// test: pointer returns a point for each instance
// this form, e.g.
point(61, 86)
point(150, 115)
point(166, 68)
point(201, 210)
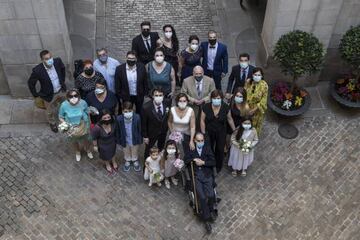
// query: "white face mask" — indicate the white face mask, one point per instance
point(257, 78)
point(194, 46)
point(244, 65)
point(182, 105)
point(171, 151)
point(73, 100)
point(238, 99)
point(168, 34)
point(158, 100)
point(246, 126)
point(128, 115)
point(159, 59)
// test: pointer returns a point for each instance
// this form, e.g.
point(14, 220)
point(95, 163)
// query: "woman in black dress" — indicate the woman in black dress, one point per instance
point(170, 45)
point(104, 136)
point(190, 57)
point(85, 82)
point(101, 99)
point(238, 106)
point(213, 123)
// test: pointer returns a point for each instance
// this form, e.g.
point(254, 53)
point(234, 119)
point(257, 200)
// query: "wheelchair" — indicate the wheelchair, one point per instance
point(188, 183)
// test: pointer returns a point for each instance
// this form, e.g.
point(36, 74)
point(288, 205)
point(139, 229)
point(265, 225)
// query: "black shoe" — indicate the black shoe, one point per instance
point(208, 227)
point(218, 200)
point(213, 216)
point(54, 128)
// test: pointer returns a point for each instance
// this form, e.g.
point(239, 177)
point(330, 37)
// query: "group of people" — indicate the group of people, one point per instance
point(136, 102)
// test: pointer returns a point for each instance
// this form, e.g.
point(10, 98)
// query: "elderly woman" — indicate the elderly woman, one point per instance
point(257, 93)
point(85, 82)
point(74, 111)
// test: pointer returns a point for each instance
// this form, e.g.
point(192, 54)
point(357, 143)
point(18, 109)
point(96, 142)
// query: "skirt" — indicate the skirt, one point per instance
point(239, 160)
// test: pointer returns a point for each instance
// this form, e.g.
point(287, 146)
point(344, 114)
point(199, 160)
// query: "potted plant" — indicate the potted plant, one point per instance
point(298, 53)
point(346, 90)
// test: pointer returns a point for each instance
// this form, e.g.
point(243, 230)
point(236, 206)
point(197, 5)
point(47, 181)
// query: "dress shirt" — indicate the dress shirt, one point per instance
point(132, 79)
point(211, 56)
point(108, 71)
point(53, 77)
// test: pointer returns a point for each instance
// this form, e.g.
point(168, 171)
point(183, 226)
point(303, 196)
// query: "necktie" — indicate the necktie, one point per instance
point(243, 75)
point(148, 45)
point(159, 112)
point(198, 90)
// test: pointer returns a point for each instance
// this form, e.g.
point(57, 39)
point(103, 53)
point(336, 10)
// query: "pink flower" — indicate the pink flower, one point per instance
point(176, 136)
point(179, 164)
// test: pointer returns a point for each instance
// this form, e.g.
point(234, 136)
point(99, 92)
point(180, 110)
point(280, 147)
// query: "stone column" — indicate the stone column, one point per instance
point(27, 27)
point(316, 16)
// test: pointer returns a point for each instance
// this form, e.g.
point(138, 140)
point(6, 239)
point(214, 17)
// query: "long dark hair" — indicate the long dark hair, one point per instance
point(241, 129)
point(238, 90)
point(171, 142)
point(257, 69)
point(174, 39)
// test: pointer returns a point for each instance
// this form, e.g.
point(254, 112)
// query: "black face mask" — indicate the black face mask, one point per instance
point(130, 62)
point(106, 122)
point(212, 41)
point(89, 71)
point(198, 78)
point(145, 33)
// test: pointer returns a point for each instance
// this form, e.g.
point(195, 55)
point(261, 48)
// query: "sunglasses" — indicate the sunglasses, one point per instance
point(74, 96)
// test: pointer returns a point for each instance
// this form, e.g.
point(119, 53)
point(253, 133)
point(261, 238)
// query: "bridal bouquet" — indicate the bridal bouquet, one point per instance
point(176, 136)
point(64, 126)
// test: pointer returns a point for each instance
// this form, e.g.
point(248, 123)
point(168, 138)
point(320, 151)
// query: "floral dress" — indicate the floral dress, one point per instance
point(257, 94)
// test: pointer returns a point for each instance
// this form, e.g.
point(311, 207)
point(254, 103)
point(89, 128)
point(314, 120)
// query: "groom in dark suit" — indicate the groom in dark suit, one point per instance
point(144, 44)
point(215, 59)
point(154, 118)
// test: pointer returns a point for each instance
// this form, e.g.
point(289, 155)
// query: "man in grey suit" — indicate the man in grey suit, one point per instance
point(198, 89)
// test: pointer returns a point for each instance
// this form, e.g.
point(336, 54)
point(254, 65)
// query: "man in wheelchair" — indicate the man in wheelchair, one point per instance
point(200, 162)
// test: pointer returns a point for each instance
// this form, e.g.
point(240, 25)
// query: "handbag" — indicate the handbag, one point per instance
point(78, 130)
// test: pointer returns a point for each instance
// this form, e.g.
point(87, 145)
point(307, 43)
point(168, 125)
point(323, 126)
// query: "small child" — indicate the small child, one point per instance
point(130, 136)
point(152, 168)
point(243, 141)
point(171, 153)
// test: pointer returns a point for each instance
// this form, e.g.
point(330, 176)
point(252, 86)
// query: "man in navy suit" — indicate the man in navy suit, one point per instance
point(204, 161)
point(50, 73)
point(239, 74)
point(215, 59)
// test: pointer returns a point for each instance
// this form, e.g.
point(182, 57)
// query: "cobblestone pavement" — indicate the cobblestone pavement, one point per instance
point(123, 20)
point(306, 188)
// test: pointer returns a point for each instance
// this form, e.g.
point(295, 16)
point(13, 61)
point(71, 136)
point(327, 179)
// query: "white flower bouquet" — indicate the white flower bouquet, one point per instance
point(64, 127)
point(158, 177)
point(245, 145)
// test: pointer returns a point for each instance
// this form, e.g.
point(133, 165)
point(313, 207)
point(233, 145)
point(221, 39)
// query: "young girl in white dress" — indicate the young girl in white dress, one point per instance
point(152, 167)
point(238, 158)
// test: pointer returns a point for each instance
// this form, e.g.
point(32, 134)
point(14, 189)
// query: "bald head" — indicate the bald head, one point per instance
point(198, 71)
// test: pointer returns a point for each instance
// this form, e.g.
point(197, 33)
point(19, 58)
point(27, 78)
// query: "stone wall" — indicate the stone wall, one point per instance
point(27, 27)
point(326, 19)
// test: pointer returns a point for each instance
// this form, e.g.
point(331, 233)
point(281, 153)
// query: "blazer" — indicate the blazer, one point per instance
point(206, 155)
point(189, 88)
point(221, 58)
point(235, 76)
point(139, 47)
point(152, 124)
point(40, 74)
point(136, 130)
point(122, 84)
